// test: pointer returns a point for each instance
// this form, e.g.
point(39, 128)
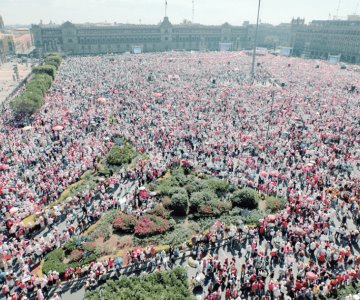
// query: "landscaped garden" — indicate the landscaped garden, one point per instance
point(187, 203)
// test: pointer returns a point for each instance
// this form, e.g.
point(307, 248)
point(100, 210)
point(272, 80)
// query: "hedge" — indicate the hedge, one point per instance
point(31, 99)
point(45, 69)
point(161, 285)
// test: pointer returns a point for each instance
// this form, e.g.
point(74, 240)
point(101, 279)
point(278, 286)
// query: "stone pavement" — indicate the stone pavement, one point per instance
point(7, 83)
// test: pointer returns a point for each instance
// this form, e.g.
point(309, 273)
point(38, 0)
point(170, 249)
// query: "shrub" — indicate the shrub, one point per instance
point(218, 186)
point(164, 188)
point(179, 203)
point(120, 155)
point(254, 217)
point(76, 255)
point(194, 185)
point(160, 211)
point(166, 201)
point(236, 211)
point(275, 204)
point(245, 198)
point(223, 206)
point(54, 261)
point(71, 245)
point(177, 190)
point(149, 225)
point(181, 179)
point(208, 210)
point(229, 220)
point(177, 236)
point(104, 228)
point(201, 198)
point(124, 223)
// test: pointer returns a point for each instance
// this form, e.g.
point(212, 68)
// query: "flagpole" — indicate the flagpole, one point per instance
point(165, 8)
point(255, 42)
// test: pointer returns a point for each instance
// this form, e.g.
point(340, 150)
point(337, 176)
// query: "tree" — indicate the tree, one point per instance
point(45, 69)
point(22, 105)
point(179, 203)
point(245, 198)
point(160, 285)
point(120, 155)
point(198, 199)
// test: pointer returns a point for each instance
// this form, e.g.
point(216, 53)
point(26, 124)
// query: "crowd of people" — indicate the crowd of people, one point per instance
point(293, 132)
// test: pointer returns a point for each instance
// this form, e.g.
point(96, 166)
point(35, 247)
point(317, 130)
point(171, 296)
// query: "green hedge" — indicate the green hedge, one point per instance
point(45, 69)
point(31, 99)
point(172, 285)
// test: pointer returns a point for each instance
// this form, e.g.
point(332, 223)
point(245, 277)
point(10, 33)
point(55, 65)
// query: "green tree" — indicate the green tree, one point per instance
point(179, 203)
point(245, 198)
point(45, 69)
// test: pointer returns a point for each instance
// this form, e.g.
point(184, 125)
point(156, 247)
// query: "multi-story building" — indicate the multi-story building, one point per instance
point(319, 39)
point(76, 39)
point(16, 41)
point(271, 36)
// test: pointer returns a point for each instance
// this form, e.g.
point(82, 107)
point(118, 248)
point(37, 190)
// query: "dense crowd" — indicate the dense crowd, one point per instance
point(294, 132)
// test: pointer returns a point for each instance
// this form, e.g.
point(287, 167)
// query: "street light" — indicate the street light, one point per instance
point(255, 42)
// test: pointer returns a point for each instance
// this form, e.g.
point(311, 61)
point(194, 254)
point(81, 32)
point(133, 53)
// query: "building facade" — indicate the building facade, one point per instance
point(86, 39)
point(271, 36)
point(319, 39)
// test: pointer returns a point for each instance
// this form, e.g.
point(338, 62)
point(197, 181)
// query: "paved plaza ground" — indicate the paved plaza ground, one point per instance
point(7, 83)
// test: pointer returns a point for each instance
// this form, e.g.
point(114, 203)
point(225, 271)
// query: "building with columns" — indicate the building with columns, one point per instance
point(319, 39)
point(86, 39)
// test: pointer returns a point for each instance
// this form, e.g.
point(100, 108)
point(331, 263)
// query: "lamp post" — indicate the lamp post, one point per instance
point(255, 42)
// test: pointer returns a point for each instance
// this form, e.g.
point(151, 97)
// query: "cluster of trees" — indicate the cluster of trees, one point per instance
point(162, 285)
point(32, 97)
point(202, 197)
